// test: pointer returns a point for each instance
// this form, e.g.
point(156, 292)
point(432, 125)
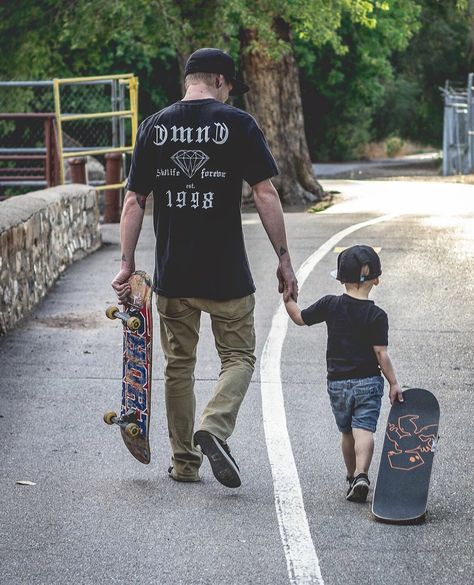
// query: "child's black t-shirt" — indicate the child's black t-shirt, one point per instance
point(194, 155)
point(354, 327)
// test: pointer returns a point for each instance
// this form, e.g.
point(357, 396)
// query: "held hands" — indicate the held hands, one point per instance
point(395, 393)
point(287, 283)
point(121, 286)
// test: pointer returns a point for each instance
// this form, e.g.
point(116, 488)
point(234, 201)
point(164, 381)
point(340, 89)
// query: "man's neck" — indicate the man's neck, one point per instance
point(198, 92)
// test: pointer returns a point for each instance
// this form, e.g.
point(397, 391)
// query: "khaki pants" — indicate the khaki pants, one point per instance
point(234, 335)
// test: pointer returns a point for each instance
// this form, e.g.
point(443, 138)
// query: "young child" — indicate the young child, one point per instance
point(356, 352)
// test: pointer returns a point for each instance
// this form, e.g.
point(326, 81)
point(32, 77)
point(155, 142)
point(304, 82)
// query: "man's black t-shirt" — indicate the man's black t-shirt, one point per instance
point(354, 327)
point(194, 155)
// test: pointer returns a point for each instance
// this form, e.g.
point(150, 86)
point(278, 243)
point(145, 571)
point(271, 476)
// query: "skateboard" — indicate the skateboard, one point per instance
point(134, 419)
point(411, 436)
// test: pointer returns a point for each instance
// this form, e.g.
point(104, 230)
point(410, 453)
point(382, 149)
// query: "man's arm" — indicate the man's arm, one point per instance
point(269, 209)
point(130, 227)
point(388, 370)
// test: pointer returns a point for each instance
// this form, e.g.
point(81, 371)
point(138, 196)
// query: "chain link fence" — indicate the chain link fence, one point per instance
point(91, 98)
point(458, 131)
point(88, 114)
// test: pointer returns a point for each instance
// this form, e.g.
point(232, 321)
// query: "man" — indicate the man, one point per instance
point(194, 155)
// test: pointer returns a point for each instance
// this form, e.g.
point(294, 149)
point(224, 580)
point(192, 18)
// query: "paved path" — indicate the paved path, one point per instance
point(95, 515)
point(359, 167)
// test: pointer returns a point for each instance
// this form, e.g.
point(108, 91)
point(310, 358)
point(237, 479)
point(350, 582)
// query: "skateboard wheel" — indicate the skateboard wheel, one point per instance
point(132, 430)
point(133, 323)
point(109, 416)
point(111, 312)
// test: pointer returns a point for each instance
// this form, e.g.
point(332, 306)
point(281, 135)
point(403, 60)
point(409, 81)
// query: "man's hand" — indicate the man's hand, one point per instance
point(130, 226)
point(287, 283)
point(395, 393)
point(121, 286)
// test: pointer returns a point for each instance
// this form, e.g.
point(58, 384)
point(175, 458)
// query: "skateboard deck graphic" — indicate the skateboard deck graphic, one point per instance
point(401, 491)
point(134, 419)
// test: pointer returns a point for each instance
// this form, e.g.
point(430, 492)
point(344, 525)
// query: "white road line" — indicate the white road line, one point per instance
point(301, 558)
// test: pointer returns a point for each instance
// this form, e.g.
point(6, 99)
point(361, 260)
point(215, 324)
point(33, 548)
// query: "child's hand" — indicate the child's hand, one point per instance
point(293, 310)
point(289, 300)
point(287, 296)
point(395, 393)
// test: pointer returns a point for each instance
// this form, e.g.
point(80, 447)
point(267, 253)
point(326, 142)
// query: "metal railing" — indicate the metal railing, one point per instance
point(86, 117)
point(458, 129)
point(117, 115)
point(45, 161)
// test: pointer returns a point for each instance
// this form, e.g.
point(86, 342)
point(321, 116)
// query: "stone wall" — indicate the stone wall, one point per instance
point(42, 233)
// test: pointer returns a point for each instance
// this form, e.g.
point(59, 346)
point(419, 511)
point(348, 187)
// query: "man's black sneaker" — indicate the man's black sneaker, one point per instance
point(359, 488)
point(223, 465)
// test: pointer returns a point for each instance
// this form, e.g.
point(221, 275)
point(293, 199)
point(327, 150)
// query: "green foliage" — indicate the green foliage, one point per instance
point(343, 91)
point(369, 68)
point(316, 22)
point(413, 105)
point(388, 82)
point(57, 38)
point(393, 145)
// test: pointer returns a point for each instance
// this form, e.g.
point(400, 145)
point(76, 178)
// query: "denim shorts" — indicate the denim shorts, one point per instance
point(356, 403)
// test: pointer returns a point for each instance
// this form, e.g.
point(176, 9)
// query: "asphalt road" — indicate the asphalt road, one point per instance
point(358, 167)
point(97, 516)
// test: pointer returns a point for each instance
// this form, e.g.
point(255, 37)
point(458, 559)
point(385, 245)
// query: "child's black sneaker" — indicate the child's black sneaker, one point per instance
point(359, 488)
point(349, 479)
point(223, 465)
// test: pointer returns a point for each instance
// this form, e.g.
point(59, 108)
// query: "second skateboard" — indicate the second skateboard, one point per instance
point(401, 491)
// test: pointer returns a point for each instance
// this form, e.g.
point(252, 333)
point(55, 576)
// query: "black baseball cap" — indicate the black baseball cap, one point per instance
point(209, 60)
point(351, 260)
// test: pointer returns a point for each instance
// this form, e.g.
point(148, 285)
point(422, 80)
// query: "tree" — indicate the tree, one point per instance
point(441, 50)
point(268, 66)
point(343, 47)
point(267, 29)
point(343, 91)
point(275, 100)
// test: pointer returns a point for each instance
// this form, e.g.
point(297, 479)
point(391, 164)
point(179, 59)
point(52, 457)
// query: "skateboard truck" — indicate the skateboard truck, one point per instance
point(126, 422)
point(128, 319)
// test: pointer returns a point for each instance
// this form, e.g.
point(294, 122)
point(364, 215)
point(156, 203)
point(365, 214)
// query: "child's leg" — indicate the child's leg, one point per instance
point(364, 449)
point(348, 452)
point(341, 407)
point(368, 394)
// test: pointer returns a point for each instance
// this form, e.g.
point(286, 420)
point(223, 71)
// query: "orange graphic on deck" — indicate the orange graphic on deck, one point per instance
point(410, 442)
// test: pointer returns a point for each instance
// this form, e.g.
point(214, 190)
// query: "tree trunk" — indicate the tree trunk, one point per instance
point(275, 101)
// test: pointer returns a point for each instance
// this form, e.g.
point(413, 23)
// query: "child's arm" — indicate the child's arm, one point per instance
point(294, 312)
point(388, 370)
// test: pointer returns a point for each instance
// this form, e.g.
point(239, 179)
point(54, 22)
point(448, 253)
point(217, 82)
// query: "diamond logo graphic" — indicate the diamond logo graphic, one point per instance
point(190, 161)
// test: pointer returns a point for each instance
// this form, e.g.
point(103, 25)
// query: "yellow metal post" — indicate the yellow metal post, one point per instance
point(72, 80)
point(115, 186)
point(97, 152)
point(128, 79)
point(133, 87)
point(72, 117)
point(57, 109)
